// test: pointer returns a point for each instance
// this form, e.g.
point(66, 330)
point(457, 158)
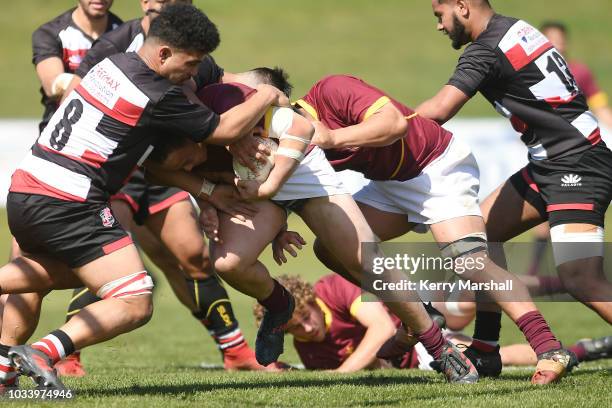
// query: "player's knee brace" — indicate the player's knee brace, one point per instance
point(469, 244)
point(136, 284)
point(572, 246)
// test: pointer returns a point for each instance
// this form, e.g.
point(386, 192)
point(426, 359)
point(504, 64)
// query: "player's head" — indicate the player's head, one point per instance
point(308, 320)
point(179, 38)
point(175, 153)
point(455, 18)
point(556, 32)
point(95, 9)
point(277, 77)
point(152, 8)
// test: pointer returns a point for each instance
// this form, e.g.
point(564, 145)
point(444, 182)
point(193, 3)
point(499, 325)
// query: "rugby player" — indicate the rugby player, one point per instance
point(58, 206)
point(333, 329)
point(163, 219)
point(420, 175)
point(315, 193)
point(58, 47)
point(567, 181)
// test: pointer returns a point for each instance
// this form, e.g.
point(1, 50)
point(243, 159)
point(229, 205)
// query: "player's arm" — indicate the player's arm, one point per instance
point(444, 106)
point(382, 128)
point(241, 119)
point(379, 327)
point(478, 65)
point(294, 133)
point(47, 58)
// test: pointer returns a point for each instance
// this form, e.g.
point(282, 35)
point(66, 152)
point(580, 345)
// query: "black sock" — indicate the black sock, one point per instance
point(215, 311)
point(4, 350)
point(487, 326)
point(81, 297)
point(278, 301)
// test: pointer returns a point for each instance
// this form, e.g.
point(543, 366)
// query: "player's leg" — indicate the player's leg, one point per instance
point(344, 231)
point(177, 227)
point(235, 259)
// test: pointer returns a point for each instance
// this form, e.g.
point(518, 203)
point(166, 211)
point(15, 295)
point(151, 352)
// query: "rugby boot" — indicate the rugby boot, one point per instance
point(597, 348)
point(70, 366)
point(271, 334)
point(553, 365)
point(36, 365)
point(488, 363)
point(455, 366)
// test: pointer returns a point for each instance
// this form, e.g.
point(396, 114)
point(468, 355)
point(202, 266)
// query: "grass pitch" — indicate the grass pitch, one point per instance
point(159, 364)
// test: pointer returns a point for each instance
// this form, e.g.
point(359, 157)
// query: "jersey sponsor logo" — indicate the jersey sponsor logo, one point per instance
point(106, 215)
point(108, 89)
point(522, 44)
point(571, 180)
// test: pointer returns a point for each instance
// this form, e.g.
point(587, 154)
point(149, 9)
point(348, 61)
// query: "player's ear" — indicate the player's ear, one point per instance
point(462, 8)
point(165, 52)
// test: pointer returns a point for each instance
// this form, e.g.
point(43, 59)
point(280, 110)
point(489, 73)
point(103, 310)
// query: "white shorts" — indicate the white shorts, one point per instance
point(314, 177)
point(447, 188)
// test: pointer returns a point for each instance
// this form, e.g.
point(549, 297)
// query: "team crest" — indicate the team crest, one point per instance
point(108, 220)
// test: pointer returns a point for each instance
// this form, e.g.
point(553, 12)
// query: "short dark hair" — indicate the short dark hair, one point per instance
point(554, 25)
point(277, 77)
point(185, 27)
point(163, 146)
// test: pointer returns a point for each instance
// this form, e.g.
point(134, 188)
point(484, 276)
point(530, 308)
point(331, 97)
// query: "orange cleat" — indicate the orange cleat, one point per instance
point(70, 366)
point(243, 358)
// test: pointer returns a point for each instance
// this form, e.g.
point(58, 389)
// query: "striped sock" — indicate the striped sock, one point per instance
point(56, 345)
point(8, 375)
point(230, 341)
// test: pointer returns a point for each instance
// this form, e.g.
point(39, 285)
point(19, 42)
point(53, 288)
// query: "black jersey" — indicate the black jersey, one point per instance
point(106, 128)
point(62, 38)
point(130, 37)
point(527, 80)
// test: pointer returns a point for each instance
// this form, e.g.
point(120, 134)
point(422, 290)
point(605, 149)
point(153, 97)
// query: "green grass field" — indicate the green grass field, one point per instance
point(158, 365)
point(390, 43)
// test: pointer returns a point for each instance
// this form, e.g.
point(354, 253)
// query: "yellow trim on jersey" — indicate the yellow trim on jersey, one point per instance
point(380, 102)
point(73, 312)
point(268, 120)
point(355, 306)
point(599, 100)
point(196, 293)
point(327, 314)
point(403, 155)
point(308, 108)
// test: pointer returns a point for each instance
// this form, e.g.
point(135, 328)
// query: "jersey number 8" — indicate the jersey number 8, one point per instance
point(63, 129)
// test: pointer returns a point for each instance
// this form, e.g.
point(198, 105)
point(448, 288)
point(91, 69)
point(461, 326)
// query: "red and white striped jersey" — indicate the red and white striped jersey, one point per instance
point(527, 80)
point(62, 38)
point(106, 128)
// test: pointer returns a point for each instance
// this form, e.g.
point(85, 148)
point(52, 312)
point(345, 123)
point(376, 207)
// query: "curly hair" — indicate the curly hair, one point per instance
point(302, 291)
point(185, 27)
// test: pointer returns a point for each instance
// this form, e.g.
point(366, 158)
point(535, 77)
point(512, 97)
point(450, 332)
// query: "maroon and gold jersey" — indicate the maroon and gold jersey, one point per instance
point(339, 300)
point(585, 79)
point(340, 101)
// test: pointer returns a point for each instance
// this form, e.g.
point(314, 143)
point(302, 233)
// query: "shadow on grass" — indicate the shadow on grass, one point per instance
point(194, 387)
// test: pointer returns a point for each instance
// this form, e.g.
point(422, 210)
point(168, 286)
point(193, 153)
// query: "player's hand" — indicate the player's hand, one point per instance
point(285, 241)
point(247, 148)
point(209, 220)
point(322, 136)
point(253, 190)
point(280, 98)
point(227, 199)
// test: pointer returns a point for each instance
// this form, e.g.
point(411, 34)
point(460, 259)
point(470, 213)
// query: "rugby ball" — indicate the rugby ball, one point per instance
point(263, 168)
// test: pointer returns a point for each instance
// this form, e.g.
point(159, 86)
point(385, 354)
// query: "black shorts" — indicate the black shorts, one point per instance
point(145, 199)
point(74, 233)
point(576, 189)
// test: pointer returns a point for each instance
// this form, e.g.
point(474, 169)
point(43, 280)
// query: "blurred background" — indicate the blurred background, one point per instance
point(392, 44)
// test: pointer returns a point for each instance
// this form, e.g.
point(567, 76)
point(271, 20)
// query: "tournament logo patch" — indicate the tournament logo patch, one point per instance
point(108, 220)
